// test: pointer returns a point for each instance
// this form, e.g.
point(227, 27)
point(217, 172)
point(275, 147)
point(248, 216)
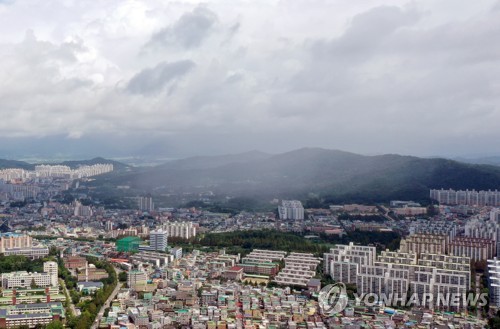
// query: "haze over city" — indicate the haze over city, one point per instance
point(121, 78)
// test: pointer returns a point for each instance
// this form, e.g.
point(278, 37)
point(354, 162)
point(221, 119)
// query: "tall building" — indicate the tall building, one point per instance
point(299, 269)
point(398, 273)
point(477, 249)
point(109, 226)
point(495, 215)
point(494, 281)
point(352, 254)
point(81, 210)
point(52, 269)
point(14, 240)
point(145, 203)
point(158, 240)
point(467, 197)
point(425, 243)
point(185, 230)
point(438, 227)
point(291, 209)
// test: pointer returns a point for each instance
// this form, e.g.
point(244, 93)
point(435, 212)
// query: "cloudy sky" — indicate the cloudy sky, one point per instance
point(182, 77)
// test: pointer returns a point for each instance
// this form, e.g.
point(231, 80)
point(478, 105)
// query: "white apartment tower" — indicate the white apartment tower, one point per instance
point(145, 203)
point(184, 230)
point(494, 281)
point(158, 240)
point(291, 209)
point(52, 269)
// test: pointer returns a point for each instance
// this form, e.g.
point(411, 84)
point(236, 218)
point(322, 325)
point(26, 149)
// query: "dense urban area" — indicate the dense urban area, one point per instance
point(69, 261)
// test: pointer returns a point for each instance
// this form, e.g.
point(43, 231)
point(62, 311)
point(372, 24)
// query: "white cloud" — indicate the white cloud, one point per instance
point(378, 76)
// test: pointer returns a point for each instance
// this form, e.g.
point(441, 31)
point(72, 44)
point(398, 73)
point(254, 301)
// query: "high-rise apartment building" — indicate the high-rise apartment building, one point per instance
point(109, 226)
point(291, 209)
point(467, 197)
point(425, 243)
point(478, 249)
point(14, 241)
point(158, 240)
point(438, 227)
point(52, 269)
point(343, 262)
point(495, 215)
point(145, 203)
point(185, 230)
point(494, 281)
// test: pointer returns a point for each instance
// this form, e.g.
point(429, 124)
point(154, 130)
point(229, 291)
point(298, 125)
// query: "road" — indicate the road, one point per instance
point(108, 301)
point(68, 296)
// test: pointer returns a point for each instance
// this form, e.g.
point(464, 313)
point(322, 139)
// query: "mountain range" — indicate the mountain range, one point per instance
point(329, 175)
point(332, 175)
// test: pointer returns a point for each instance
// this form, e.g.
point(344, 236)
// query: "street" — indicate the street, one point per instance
point(99, 316)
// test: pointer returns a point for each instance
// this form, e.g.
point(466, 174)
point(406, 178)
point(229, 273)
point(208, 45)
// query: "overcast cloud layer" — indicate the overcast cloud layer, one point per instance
point(179, 78)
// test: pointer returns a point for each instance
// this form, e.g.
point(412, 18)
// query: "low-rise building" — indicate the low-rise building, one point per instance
point(31, 315)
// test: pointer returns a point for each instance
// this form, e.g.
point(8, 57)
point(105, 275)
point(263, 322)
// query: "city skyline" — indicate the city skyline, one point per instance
point(184, 78)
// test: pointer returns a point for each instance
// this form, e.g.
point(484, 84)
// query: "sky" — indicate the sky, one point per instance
point(180, 78)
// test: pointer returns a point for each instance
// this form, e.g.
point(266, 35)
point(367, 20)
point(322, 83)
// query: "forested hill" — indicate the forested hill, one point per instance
point(331, 174)
point(5, 164)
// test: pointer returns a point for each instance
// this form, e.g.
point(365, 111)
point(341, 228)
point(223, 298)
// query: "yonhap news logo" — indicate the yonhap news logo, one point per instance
point(333, 298)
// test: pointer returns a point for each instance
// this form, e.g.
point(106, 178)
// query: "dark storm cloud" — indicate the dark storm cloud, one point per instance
point(153, 80)
point(188, 32)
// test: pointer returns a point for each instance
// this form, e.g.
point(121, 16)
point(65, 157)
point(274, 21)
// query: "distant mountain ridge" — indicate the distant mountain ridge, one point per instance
point(490, 160)
point(334, 175)
point(6, 164)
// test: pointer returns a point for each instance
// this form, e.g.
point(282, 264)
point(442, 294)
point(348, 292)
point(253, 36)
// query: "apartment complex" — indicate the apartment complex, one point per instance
point(425, 243)
point(291, 209)
point(14, 241)
point(299, 269)
point(184, 230)
point(467, 197)
point(344, 261)
point(397, 272)
point(485, 229)
point(435, 227)
point(477, 249)
point(60, 171)
point(262, 262)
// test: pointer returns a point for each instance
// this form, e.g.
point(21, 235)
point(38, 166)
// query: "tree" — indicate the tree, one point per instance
point(55, 325)
point(122, 276)
point(33, 284)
